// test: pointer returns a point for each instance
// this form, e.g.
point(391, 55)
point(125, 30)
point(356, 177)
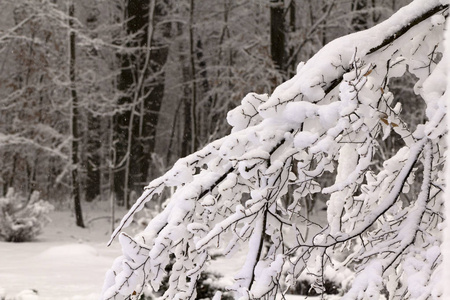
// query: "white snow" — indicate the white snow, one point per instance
point(65, 262)
point(70, 263)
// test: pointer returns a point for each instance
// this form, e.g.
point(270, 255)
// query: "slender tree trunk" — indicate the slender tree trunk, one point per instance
point(193, 106)
point(187, 112)
point(112, 159)
point(129, 144)
point(75, 117)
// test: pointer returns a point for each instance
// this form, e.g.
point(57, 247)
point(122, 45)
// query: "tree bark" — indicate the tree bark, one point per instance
point(74, 121)
point(277, 33)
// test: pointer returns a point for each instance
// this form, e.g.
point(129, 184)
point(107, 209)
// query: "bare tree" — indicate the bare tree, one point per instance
point(74, 121)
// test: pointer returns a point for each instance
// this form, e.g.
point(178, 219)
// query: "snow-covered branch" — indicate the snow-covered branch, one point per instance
point(316, 137)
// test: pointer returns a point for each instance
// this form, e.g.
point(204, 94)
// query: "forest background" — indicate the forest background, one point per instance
point(99, 97)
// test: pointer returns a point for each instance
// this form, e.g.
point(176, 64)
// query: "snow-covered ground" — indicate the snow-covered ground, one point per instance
point(67, 262)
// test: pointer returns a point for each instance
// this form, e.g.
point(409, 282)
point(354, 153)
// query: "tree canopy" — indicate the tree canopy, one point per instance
point(320, 135)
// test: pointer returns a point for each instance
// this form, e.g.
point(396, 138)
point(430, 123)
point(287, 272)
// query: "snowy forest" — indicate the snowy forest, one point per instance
point(302, 141)
point(88, 110)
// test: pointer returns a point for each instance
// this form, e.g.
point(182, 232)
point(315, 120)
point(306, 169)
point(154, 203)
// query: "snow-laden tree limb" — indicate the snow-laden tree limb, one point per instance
point(327, 121)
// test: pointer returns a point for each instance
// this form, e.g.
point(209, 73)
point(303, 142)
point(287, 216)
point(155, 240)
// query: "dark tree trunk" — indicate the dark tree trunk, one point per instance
point(92, 162)
point(206, 113)
point(75, 117)
point(135, 144)
point(291, 69)
point(187, 129)
point(277, 33)
point(187, 112)
point(193, 106)
point(152, 107)
point(121, 124)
